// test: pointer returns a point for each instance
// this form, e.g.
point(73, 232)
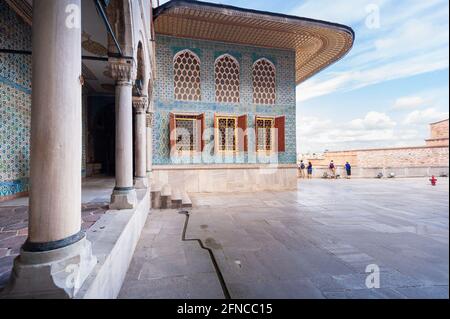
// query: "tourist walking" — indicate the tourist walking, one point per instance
point(302, 168)
point(332, 168)
point(348, 169)
point(310, 170)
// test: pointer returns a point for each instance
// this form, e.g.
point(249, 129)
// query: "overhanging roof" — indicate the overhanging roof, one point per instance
point(317, 44)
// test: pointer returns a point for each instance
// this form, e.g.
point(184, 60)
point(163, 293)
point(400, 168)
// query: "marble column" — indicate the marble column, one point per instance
point(124, 194)
point(150, 121)
point(140, 105)
point(55, 240)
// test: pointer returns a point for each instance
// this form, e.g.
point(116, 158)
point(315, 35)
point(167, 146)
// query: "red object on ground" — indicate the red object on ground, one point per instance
point(433, 181)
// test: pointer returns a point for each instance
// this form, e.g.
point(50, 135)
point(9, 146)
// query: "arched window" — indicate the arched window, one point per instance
point(227, 79)
point(264, 82)
point(186, 69)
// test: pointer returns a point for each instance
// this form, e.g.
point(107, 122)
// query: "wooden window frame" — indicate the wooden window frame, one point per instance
point(200, 127)
point(272, 132)
point(278, 131)
point(241, 140)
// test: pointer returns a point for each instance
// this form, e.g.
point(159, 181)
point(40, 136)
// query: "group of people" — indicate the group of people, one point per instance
point(309, 170)
point(332, 169)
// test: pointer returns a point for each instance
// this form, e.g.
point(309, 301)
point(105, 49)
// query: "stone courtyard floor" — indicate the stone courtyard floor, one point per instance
point(312, 243)
point(14, 220)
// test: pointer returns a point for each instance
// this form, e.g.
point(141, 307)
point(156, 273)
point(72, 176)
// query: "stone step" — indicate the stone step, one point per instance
point(177, 199)
point(156, 196)
point(186, 200)
point(166, 197)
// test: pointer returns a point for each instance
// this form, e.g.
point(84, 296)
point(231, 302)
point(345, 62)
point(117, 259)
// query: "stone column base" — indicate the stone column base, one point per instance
point(55, 274)
point(141, 182)
point(123, 199)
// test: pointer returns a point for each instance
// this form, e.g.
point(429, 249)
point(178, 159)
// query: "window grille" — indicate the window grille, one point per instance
point(186, 68)
point(264, 82)
point(227, 76)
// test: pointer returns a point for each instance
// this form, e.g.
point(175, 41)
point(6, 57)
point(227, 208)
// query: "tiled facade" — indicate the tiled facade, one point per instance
point(208, 52)
point(15, 104)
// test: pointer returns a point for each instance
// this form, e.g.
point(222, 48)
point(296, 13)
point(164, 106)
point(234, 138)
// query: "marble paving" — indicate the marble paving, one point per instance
point(312, 243)
point(14, 220)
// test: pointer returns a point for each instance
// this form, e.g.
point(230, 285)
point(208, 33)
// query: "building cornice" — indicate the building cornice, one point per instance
point(317, 44)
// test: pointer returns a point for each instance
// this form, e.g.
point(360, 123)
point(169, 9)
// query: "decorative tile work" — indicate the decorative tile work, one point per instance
point(15, 104)
point(208, 52)
point(264, 91)
point(186, 70)
point(227, 79)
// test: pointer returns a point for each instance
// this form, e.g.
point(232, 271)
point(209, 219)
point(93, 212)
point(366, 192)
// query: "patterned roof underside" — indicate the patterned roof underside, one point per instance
point(317, 44)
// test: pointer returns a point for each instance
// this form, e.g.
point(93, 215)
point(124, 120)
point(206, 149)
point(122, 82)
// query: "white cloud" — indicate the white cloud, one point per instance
point(347, 12)
point(356, 79)
point(373, 121)
point(314, 88)
point(408, 102)
point(413, 39)
point(426, 116)
point(373, 130)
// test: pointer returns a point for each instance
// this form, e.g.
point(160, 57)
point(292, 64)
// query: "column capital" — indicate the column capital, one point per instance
point(122, 70)
point(140, 104)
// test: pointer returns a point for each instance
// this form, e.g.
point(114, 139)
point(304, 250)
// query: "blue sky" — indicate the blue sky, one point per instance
point(391, 85)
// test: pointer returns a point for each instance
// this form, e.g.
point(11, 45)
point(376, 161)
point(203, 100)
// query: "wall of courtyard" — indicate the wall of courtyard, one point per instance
point(15, 104)
point(404, 161)
point(439, 129)
point(439, 134)
point(208, 52)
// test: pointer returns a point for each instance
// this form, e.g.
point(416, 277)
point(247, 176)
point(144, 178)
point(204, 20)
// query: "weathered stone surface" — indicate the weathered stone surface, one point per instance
point(312, 243)
point(163, 266)
point(14, 230)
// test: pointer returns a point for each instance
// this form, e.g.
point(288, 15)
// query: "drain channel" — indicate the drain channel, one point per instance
point(211, 255)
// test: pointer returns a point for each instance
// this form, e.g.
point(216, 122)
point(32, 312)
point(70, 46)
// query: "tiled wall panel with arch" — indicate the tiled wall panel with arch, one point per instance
point(208, 52)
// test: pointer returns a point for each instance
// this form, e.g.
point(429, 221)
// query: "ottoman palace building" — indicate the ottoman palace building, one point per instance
point(188, 95)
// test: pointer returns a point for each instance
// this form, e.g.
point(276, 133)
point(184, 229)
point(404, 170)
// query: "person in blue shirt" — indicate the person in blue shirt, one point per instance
point(348, 168)
point(310, 170)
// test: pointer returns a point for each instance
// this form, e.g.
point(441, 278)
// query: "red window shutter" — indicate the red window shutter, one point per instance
point(216, 137)
point(256, 133)
point(201, 131)
point(172, 131)
point(242, 130)
point(280, 127)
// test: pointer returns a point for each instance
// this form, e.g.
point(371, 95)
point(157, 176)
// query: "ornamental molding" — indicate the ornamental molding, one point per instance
point(123, 70)
point(150, 119)
point(140, 104)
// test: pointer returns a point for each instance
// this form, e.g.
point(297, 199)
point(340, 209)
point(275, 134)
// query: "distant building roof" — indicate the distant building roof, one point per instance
point(317, 43)
point(441, 121)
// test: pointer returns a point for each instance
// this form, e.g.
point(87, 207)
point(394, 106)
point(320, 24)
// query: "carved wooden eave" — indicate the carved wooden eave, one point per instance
point(317, 44)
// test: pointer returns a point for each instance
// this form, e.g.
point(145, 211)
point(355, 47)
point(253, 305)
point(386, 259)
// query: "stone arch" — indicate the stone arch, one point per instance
point(187, 76)
point(264, 82)
point(186, 51)
point(227, 79)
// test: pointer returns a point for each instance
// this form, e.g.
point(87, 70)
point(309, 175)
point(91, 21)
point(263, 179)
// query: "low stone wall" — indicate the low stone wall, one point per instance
point(226, 178)
point(372, 172)
point(421, 156)
point(114, 239)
